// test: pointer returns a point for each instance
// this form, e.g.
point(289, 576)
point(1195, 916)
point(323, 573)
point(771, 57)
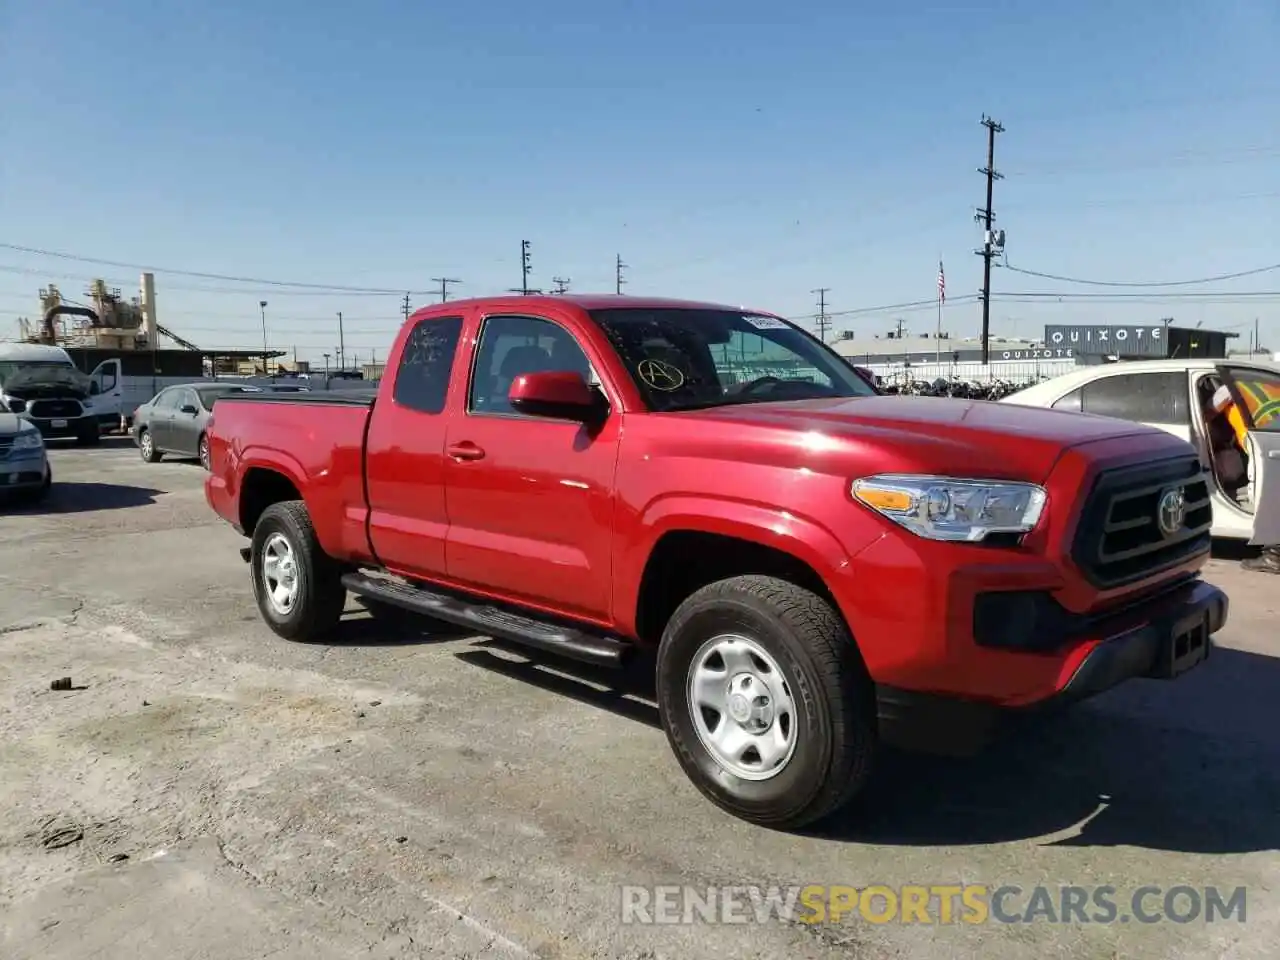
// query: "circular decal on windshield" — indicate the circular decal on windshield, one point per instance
point(660, 375)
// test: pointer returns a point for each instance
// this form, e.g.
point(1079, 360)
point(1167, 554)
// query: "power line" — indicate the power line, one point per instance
point(1146, 283)
point(195, 273)
point(988, 249)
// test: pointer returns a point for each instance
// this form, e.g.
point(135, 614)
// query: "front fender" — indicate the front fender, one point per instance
point(802, 537)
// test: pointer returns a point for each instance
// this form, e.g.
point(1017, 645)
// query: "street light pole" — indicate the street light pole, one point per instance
point(262, 305)
point(342, 345)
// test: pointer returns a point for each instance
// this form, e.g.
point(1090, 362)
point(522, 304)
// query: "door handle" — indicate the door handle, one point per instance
point(465, 451)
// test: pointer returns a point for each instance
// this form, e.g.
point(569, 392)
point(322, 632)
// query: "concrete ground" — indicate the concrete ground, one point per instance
point(208, 790)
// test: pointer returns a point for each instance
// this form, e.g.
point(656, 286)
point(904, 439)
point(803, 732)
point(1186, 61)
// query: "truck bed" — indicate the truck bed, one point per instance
point(316, 440)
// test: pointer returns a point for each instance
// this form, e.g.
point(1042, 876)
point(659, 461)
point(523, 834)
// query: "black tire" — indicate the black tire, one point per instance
point(202, 450)
point(834, 699)
point(147, 448)
point(320, 596)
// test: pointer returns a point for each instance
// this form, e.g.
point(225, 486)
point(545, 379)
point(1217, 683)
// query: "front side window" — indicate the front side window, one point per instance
point(1155, 398)
point(422, 379)
point(511, 346)
point(685, 358)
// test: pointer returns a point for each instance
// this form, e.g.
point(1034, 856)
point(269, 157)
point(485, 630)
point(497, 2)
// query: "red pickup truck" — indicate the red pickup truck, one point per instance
point(808, 566)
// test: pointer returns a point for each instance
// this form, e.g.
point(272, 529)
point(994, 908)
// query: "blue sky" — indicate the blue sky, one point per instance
point(746, 152)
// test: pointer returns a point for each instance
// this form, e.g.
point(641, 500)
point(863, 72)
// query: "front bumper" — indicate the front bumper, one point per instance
point(23, 473)
point(1175, 636)
point(57, 428)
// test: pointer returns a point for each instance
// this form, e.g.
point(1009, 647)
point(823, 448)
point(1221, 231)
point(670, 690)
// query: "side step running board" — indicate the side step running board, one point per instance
point(491, 621)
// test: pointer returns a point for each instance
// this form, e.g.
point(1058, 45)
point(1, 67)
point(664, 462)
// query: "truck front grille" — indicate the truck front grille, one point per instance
point(48, 409)
point(1141, 520)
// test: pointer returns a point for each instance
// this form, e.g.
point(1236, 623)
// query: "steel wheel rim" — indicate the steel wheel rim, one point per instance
point(280, 579)
point(742, 707)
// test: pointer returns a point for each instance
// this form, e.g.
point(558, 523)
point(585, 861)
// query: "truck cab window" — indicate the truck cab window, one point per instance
point(513, 346)
point(1154, 398)
point(422, 379)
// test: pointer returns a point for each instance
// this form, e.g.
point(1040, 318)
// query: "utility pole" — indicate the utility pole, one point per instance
point(525, 268)
point(562, 284)
point(444, 286)
point(262, 305)
point(987, 217)
point(900, 323)
point(342, 353)
point(618, 267)
point(822, 312)
point(404, 307)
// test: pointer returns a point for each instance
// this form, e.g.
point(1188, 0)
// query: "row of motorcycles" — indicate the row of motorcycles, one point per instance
point(955, 387)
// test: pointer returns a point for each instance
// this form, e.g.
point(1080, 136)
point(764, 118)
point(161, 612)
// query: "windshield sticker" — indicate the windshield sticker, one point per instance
point(660, 375)
point(765, 323)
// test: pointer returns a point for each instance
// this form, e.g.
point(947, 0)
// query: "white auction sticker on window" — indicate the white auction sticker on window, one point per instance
point(765, 323)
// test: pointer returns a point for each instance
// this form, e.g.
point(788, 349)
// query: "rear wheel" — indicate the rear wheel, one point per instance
point(297, 585)
point(766, 702)
point(147, 447)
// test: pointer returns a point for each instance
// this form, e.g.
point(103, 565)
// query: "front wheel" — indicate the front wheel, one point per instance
point(204, 452)
point(297, 585)
point(766, 702)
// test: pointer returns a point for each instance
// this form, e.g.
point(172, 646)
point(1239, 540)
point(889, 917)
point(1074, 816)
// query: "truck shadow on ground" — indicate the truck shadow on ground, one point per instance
point(360, 629)
point(85, 497)
point(1191, 766)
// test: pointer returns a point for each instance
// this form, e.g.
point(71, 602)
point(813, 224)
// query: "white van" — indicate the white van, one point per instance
point(41, 384)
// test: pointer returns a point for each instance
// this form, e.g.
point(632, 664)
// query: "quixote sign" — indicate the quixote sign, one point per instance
point(1120, 341)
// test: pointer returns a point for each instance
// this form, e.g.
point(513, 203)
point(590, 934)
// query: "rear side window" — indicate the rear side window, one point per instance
point(166, 400)
point(422, 379)
point(1156, 398)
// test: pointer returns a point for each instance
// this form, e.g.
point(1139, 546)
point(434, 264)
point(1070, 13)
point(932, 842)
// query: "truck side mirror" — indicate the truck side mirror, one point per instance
point(190, 408)
point(560, 395)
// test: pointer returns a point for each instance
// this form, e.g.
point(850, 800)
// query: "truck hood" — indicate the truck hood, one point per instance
point(957, 437)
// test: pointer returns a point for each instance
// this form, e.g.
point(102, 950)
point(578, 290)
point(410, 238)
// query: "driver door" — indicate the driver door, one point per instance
point(1256, 391)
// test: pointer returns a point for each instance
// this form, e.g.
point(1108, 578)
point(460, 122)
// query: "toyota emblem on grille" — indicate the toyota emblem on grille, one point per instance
point(1172, 511)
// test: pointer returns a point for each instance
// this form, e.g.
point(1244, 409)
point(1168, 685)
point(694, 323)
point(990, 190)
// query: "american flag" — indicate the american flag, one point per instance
point(942, 284)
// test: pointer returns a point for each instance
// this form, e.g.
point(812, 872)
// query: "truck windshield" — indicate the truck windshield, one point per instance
point(16, 374)
point(690, 358)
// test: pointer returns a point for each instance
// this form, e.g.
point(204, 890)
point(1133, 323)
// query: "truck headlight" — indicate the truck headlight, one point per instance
point(28, 440)
point(946, 508)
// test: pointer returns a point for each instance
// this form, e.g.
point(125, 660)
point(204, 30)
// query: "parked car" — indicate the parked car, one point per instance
point(24, 464)
point(1175, 396)
point(176, 420)
point(813, 568)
